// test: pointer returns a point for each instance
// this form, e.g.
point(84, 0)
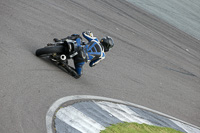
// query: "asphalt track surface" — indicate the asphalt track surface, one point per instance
point(153, 64)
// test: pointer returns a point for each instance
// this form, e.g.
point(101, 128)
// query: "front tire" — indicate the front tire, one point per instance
point(49, 50)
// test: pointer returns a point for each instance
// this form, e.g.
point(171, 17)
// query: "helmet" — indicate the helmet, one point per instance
point(107, 43)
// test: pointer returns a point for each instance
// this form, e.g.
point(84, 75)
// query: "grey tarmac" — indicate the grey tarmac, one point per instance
point(153, 64)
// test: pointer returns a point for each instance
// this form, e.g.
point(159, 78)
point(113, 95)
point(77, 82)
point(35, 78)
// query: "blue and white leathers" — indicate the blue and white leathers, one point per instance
point(93, 51)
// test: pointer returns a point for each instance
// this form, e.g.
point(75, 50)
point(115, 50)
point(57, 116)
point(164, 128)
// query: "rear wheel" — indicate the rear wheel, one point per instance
point(46, 51)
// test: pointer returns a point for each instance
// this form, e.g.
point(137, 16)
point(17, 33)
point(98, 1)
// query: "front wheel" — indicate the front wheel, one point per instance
point(46, 51)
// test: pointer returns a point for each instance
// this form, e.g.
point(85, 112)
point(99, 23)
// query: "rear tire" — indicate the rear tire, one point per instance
point(50, 50)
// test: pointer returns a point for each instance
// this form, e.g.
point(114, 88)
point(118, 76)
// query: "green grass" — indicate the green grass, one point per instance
point(137, 128)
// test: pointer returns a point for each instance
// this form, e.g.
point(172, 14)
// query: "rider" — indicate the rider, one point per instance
point(93, 51)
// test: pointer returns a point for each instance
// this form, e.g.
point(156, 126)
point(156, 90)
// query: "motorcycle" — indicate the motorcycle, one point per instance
point(60, 52)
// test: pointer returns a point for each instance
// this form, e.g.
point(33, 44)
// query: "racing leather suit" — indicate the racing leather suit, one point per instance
point(92, 52)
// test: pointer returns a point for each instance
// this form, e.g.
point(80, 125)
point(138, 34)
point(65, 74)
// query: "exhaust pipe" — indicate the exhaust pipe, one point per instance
point(63, 57)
